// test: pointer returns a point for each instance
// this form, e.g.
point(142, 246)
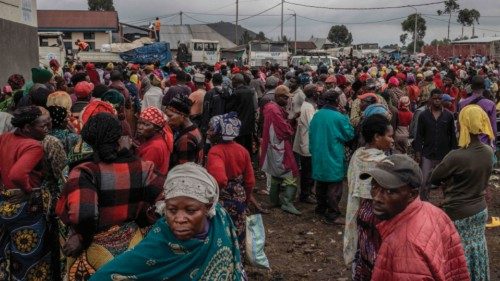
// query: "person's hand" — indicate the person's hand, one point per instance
point(125, 142)
point(418, 157)
point(73, 246)
point(251, 200)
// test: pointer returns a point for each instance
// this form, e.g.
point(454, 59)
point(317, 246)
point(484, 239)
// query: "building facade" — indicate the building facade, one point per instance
point(94, 27)
point(19, 44)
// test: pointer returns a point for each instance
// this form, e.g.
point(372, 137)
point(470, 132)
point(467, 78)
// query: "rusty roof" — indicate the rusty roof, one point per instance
point(77, 20)
point(302, 45)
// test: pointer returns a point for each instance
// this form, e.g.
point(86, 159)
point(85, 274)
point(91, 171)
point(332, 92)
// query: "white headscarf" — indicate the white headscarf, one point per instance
point(193, 181)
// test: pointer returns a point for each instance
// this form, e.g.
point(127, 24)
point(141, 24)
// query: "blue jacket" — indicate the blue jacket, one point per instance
point(328, 132)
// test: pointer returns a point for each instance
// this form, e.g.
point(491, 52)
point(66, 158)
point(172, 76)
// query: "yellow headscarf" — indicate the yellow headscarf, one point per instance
point(473, 120)
point(60, 98)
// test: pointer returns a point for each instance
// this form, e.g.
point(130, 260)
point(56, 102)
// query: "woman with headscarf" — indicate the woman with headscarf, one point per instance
point(60, 130)
point(195, 241)
point(152, 92)
point(231, 166)
point(106, 201)
point(413, 91)
point(188, 146)
point(155, 137)
point(81, 151)
point(361, 238)
point(92, 74)
point(116, 99)
point(24, 248)
point(403, 122)
point(465, 173)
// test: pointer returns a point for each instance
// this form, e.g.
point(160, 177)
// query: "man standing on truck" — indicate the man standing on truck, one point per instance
point(157, 29)
point(82, 45)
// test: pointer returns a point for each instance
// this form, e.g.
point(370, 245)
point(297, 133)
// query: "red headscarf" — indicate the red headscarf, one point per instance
point(95, 107)
point(158, 118)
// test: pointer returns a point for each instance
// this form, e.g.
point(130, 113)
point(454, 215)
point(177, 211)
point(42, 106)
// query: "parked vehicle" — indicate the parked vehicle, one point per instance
point(261, 52)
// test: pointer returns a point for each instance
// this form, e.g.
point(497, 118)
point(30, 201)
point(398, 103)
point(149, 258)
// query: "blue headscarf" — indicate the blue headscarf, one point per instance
point(227, 125)
point(373, 109)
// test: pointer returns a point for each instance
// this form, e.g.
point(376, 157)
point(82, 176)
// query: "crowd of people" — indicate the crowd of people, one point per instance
point(147, 172)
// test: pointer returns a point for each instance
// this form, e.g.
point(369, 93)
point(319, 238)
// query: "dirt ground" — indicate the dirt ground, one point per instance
point(304, 248)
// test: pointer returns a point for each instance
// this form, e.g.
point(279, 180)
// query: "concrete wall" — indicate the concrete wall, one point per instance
point(19, 43)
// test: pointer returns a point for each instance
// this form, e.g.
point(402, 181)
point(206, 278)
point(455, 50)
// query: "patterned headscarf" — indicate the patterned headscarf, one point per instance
point(473, 120)
point(227, 125)
point(60, 98)
point(404, 103)
point(58, 115)
point(193, 181)
point(155, 116)
point(158, 118)
point(376, 108)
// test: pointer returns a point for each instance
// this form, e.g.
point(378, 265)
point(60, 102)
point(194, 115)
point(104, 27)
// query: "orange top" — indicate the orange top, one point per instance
point(157, 25)
point(82, 45)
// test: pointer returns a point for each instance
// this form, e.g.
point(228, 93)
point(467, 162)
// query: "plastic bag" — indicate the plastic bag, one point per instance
point(255, 241)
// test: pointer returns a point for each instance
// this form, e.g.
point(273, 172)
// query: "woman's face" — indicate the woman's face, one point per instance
point(40, 127)
point(185, 216)
point(385, 141)
point(212, 136)
point(146, 129)
point(175, 120)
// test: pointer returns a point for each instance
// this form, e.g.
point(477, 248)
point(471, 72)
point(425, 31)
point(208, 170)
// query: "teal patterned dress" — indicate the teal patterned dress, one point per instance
point(161, 256)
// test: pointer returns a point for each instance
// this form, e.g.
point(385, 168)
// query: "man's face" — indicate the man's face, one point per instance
point(387, 203)
point(281, 100)
point(436, 101)
point(293, 84)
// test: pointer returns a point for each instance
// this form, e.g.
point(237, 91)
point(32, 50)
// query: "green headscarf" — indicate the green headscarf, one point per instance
point(114, 97)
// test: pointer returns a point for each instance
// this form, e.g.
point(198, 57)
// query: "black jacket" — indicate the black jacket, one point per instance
point(435, 138)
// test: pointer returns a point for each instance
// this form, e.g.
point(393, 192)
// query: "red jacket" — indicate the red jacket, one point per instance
point(420, 243)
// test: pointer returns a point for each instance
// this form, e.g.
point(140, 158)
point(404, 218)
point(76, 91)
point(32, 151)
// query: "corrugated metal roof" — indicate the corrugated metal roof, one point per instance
point(60, 20)
point(478, 40)
point(303, 45)
point(184, 33)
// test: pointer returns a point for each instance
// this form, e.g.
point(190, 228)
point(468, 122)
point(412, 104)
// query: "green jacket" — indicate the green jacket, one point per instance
point(328, 132)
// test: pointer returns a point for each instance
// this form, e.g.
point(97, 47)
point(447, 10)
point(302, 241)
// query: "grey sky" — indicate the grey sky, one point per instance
point(383, 33)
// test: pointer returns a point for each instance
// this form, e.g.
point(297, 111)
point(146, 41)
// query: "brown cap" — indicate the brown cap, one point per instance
point(395, 171)
point(282, 90)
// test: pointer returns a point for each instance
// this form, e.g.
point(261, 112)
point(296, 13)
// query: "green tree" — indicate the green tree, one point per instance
point(475, 15)
point(403, 37)
point(101, 5)
point(464, 18)
point(408, 25)
point(261, 36)
point(340, 35)
point(450, 6)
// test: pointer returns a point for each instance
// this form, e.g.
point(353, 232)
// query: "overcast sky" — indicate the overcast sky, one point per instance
point(382, 33)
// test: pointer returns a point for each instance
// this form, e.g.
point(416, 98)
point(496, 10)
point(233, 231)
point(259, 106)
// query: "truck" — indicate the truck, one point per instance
point(51, 47)
point(314, 60)
point(260, 52)
point(199, 51)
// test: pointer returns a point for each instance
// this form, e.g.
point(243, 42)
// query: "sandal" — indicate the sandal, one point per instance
point(495, 222)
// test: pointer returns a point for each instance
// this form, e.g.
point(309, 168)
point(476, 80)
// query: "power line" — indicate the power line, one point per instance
point(232, 15)
point(365, 8)
point(200, 21)
point(152, 18)
point(478, 28)
point(279, 25)
point(367, 22)
point(258, 14)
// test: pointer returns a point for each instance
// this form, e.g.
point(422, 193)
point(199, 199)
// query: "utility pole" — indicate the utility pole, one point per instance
point(236, 27)
point(295, 34)
point(180, 14)
point(415, 36)
point(282, 6)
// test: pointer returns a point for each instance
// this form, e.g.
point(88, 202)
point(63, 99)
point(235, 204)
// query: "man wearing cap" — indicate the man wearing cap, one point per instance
point(277, 157)
point(477, 97)
point(328, 132)
point(197, 98)
point(448, 103)
point(419, 241)
point(271, 84)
